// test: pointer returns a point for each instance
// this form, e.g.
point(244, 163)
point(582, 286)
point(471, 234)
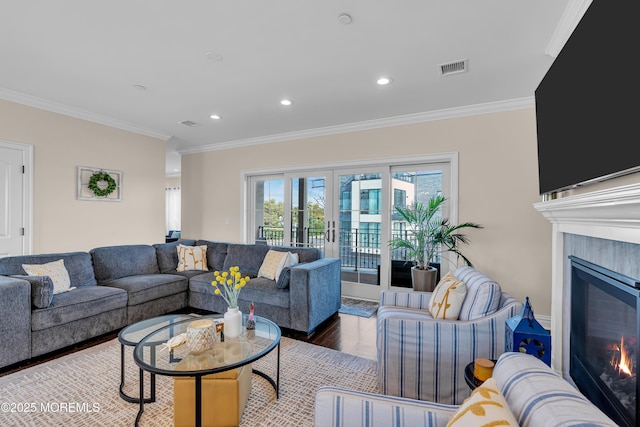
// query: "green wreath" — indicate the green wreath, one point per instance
point(98, 177)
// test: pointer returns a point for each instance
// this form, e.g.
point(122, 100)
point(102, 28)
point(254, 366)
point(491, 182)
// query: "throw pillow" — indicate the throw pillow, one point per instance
point(447, 298)
point(41, 290)
point(485, 407)
point(55, 270)
point(284, 279)
point(272, 264)
point(192, 258)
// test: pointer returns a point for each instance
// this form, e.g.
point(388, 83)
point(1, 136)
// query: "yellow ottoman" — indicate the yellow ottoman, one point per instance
point(224, 397)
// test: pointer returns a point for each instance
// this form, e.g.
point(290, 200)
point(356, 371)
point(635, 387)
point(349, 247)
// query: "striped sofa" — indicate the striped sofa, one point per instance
point(423, 358)
point(535, 394)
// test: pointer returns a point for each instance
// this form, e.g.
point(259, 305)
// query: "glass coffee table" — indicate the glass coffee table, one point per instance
point(226, 354)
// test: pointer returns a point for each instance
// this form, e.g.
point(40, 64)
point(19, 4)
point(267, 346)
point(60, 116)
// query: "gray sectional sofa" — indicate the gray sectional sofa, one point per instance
point(119, 285)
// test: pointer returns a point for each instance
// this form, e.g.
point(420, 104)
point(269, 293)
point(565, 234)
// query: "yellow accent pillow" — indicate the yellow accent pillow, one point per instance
point(192, 258)
point(447, 298)
point(272, 264)
point(55, 270)
point(485, 407)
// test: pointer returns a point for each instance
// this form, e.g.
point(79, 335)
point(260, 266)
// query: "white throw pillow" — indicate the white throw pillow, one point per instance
point(273, 264)
point(55, 270)
point(447, 298)
point(192, 258)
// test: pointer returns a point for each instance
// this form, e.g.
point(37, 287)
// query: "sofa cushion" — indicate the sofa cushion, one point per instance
point(284, 279)
point(304, 254)
point(485, 407)
point(538, 396)
point(114, 262)
point(483, 294)
point(41, 290)
point(78, 265)
point(143, 288)
point(247, 257)
point(216, 253)
point(192, 258)
point(167, 255)
point(83, 302)
point(259, 290)
point(55, 270)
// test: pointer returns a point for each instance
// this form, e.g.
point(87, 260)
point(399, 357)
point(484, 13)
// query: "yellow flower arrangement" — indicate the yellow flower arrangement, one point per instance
point(231, 283)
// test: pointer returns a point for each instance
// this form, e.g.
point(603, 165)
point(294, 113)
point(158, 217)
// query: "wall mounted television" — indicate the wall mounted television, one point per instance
point(587, 104)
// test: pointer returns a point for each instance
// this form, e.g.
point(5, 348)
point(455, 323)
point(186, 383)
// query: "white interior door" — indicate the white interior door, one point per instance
point(11, 202)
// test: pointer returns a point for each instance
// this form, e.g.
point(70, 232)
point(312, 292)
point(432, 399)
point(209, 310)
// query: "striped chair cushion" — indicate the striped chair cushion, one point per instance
point(337, 407)
point(538, 396)
point(483, 294)
point(405, 299)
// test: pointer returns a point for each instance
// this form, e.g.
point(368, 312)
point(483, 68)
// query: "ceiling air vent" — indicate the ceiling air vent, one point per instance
point(190, 123)
point(455, 67)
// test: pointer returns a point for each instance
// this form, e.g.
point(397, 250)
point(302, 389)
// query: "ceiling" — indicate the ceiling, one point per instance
point(147, 66)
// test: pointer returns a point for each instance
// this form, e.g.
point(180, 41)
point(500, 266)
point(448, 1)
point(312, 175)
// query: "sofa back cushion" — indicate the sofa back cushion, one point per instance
point(167, 254)
point(483, 294)
point(114, 262)
point(304, 254)
point(77, 264)
point(216, 253)
point(538, 396)
point(247, 257)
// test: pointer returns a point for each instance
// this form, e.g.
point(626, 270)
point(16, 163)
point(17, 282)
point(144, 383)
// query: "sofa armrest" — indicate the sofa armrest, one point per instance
point(406, 299)
point(423, 358)
point(314, 292)
point(339, 407)
point(15, 328)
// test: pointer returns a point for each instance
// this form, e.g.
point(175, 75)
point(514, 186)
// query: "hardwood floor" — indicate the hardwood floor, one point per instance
point(343, 332)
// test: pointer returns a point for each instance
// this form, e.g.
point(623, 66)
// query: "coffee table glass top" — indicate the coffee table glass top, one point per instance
point(152, 355)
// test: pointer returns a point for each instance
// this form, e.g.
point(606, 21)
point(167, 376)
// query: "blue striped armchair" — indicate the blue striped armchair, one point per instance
point(536, 396)
point(423, 358)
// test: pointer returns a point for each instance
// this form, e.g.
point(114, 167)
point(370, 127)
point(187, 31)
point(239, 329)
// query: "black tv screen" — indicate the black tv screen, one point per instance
point(587, 103)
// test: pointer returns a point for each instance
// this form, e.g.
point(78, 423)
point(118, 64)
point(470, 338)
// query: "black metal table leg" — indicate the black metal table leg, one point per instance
point(141, 410)
point(198, 380)
point(124, 395)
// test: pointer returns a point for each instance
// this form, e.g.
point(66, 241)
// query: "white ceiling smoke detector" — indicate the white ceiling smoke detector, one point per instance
point(189, 123)
point(345, 18)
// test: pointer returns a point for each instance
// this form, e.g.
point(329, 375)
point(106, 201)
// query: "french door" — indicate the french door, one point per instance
point(347, 213)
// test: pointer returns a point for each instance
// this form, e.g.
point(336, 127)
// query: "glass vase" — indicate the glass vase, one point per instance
point(232, 322)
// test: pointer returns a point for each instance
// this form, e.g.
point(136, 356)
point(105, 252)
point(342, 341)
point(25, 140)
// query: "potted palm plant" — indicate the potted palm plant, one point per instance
point(428, 235)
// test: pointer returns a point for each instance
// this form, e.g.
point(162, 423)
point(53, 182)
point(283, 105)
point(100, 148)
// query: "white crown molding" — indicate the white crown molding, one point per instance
point(54, 107)
point(572, 15)
point(470, 110)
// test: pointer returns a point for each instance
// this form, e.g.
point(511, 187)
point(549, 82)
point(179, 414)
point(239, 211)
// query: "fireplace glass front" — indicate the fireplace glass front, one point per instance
point(604, 344)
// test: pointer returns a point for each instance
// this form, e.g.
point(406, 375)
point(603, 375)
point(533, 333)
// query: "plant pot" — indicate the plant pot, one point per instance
point(424, 280)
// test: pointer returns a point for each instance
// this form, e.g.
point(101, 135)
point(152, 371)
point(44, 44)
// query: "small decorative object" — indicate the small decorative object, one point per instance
point(251, 322)
point(523, 333)
point(231, 283)
point(174, 342)
point(201, 335)
point(482, 369)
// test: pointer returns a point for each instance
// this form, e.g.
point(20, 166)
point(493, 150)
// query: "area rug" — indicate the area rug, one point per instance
point(81, 389)
point(357, 307)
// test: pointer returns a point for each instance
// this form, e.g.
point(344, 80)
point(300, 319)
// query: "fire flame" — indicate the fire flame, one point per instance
point(620, 360)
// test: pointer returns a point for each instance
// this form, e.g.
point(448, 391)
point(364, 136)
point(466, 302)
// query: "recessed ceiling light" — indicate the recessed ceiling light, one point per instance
point(384, 81)
point(216, 116)
point(286, 102)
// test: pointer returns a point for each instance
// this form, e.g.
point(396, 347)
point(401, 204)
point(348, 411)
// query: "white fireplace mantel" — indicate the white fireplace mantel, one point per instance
point(612, 214)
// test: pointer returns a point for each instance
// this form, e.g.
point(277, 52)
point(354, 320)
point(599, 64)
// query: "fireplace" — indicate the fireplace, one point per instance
point(604, 339)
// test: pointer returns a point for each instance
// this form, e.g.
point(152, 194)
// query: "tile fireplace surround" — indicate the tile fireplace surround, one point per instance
point(602, 227)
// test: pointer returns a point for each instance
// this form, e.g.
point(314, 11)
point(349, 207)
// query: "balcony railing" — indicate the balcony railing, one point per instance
point(357, 249)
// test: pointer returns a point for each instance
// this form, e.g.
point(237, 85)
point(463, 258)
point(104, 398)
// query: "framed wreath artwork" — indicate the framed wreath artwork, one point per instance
point(99, 184)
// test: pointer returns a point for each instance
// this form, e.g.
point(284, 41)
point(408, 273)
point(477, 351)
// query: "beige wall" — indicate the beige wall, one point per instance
point(61, 144)
point(498, 185)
